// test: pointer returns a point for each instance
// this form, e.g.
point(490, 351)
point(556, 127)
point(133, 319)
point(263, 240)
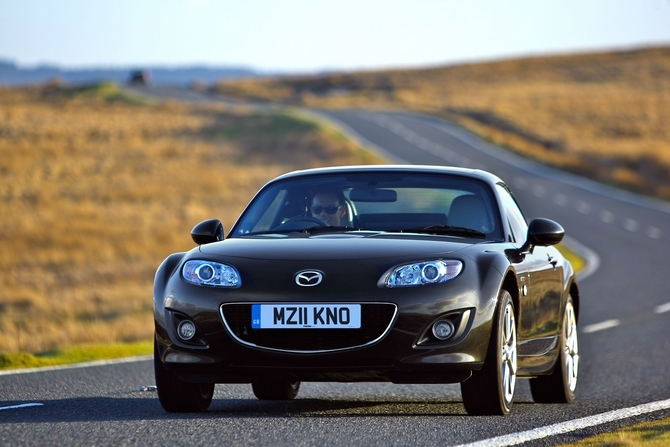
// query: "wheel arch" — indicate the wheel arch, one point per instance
point(511, 284)
point(574, 293)
point(164, 271)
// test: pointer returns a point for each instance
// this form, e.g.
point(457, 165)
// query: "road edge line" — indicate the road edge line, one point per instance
point(545, 170)
point(570, 426)
point(591, 258)
point(139, 358)
point(351, 134)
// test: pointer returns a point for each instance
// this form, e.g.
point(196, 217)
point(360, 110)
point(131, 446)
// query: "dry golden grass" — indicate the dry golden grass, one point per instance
point(96, 190)
point(602, 115)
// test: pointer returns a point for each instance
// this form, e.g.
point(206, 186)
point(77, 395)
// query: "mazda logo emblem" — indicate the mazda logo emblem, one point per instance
point(308, 278)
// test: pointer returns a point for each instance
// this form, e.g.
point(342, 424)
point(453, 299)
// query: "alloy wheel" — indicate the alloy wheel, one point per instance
point(571, 347)
point(509, 354)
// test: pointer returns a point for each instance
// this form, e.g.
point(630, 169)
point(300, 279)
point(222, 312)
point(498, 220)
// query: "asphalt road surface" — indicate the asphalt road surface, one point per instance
point(624, 338)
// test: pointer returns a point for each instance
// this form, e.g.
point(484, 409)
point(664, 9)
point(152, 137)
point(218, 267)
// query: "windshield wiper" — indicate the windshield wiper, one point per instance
point(320, 229)
point(444, 230)
point(317, 229)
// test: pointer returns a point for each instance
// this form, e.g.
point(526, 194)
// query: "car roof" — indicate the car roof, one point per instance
point(423, 169)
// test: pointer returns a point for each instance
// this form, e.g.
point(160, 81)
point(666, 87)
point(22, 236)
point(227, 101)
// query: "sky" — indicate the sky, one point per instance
point(305, 36)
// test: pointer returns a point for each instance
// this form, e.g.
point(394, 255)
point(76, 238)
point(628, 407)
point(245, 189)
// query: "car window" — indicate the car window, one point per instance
point(517, 221)
point(378, 202)
point(268, 216)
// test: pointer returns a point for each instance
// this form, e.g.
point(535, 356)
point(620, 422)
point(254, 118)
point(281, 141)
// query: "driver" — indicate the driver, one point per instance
point(329, 207)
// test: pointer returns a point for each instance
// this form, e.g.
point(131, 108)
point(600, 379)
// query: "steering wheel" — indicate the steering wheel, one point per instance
point(301, 223)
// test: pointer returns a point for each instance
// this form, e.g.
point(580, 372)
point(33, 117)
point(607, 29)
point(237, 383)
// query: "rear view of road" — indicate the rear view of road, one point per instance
point(624, 322)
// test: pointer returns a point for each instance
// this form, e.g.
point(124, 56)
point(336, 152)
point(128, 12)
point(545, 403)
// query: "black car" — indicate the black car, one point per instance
point(403, 274)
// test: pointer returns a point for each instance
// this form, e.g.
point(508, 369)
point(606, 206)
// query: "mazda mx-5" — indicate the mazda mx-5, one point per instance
point(403, 274)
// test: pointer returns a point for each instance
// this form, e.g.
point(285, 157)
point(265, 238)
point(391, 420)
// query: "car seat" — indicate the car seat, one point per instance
point(469, 211)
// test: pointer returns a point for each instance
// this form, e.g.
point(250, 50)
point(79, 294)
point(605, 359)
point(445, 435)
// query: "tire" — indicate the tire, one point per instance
point(490, 391)
point(177, 396)
point(275, 389)
point(560, 386)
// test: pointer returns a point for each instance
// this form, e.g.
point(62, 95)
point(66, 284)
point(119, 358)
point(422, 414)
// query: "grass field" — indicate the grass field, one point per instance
point(97, 187)
point(604, 116)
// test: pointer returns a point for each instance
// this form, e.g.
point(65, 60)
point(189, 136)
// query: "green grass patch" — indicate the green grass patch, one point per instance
point(273, 125)
point(74, 354)
point(100, 91)
point(108, 91)
point(647, 434)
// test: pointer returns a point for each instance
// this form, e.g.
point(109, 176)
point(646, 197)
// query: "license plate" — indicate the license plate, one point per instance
point(306, 316)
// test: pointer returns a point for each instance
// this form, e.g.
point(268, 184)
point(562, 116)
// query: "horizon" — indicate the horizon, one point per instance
point(304, 37)
point(209, 66)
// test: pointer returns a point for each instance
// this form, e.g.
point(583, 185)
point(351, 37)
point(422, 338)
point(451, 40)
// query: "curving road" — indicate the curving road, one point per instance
point(624, 325)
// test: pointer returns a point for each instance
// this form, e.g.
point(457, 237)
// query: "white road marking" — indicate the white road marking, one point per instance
point(583, 207)
point(600, 326)
point(357, 138)
point(533, 168)
point(13, 407)
point(607, 217)
point(421, 142)
point(630, 225)
point(77, 365)
point(570, 426)
point(520, 183)
point(654, 233)
point(539, 191)
point(561, 199)
point(662, 308)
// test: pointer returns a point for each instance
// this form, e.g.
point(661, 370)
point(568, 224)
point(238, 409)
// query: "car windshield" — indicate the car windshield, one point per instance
point(441, 204)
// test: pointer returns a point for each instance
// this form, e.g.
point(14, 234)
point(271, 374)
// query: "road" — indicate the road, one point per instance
point(624, 326)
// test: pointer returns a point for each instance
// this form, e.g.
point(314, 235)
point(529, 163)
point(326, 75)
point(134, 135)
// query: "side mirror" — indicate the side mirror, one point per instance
point(207, 231)
point(541, 233)
point(544, 232)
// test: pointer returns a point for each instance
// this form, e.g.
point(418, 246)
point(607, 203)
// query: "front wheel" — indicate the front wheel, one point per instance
point(560, 386)
point(490, 391)
point(275, 389)
point(177, 396)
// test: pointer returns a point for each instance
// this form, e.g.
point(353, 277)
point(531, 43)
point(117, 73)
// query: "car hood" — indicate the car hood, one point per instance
point(337, 246)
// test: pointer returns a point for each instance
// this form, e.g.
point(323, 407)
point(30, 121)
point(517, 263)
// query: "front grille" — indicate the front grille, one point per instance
point(376, 320)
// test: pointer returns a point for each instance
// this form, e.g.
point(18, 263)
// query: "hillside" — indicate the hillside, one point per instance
point(13, 75)
point(98, 188)
point(604, 116)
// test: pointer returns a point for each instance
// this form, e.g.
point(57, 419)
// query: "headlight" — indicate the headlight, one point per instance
point(422, 273)
point(207, 273)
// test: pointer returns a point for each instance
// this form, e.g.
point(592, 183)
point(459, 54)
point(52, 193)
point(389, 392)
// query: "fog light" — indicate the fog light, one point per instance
point(443, 329)
point(174, 357)
point(186, 330)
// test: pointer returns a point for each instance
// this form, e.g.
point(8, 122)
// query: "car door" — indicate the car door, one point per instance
point(540, 279)
point(540, 313)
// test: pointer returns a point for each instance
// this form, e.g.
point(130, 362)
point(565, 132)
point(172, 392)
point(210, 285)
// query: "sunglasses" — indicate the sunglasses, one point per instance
point(329, 209)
